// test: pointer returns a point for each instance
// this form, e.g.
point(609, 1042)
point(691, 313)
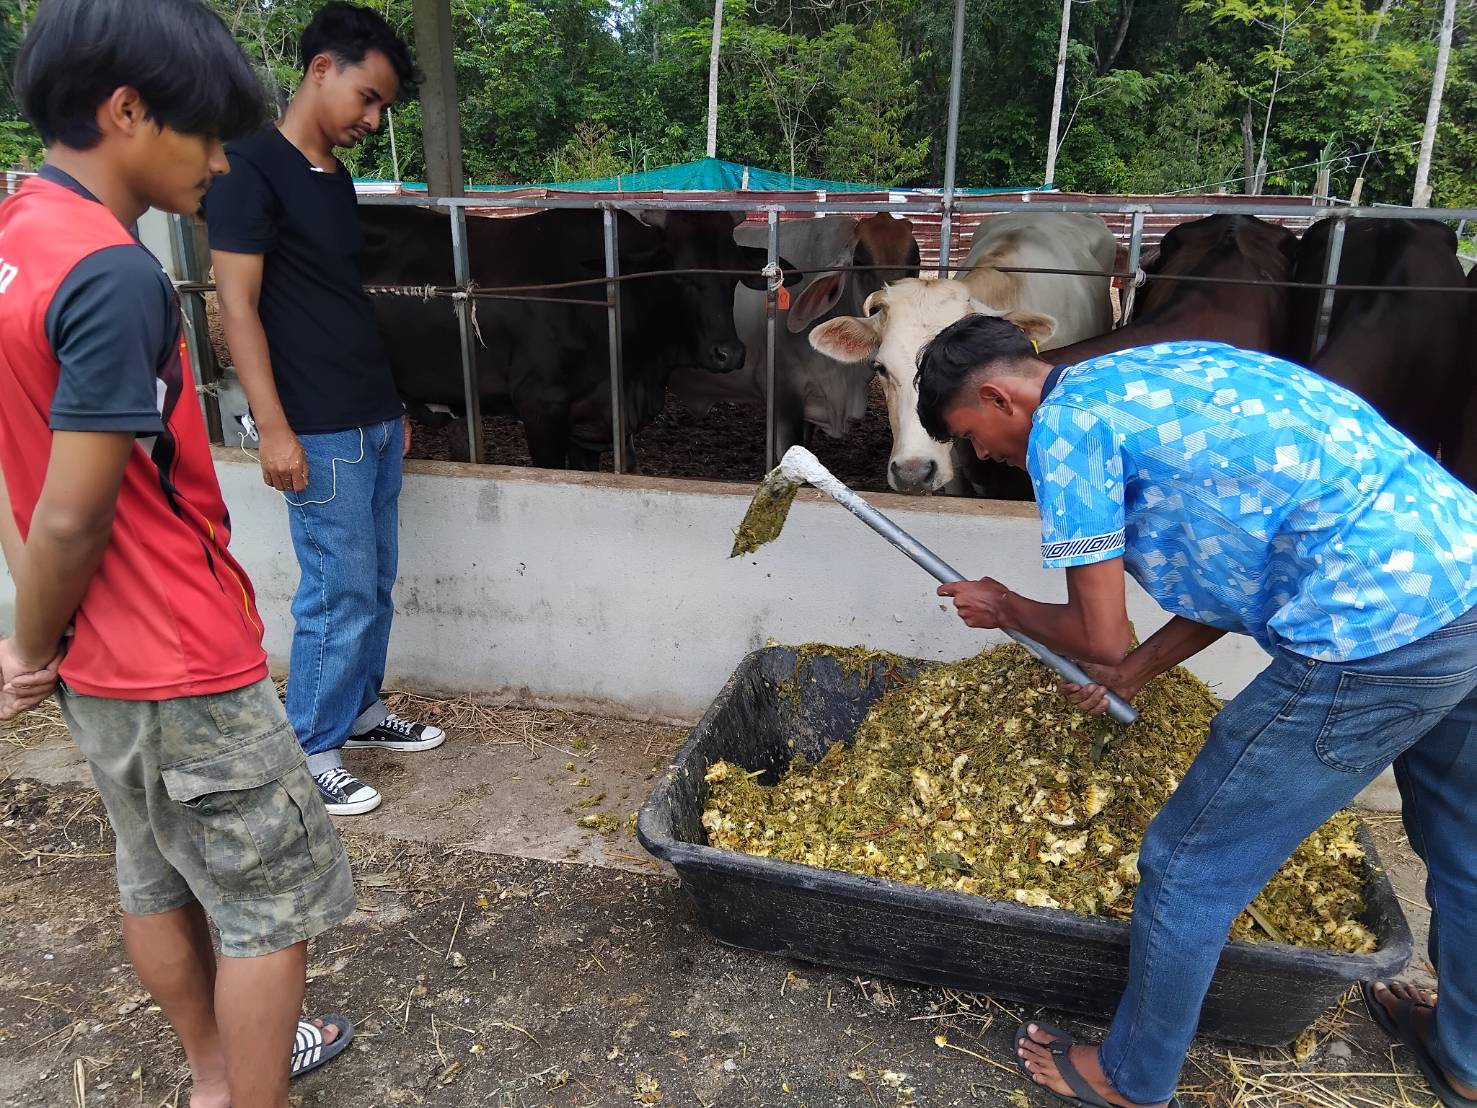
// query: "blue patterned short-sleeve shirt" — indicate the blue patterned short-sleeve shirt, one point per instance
point(1250, 494)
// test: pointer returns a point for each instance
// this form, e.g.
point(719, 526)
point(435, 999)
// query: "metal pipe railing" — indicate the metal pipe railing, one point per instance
point(466, 317)
point(930, 205)
point(617, 379)
point(1330, 277)
point(771, 314)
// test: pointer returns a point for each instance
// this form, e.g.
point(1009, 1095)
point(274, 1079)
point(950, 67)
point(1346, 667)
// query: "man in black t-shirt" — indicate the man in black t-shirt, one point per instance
point(285, 241)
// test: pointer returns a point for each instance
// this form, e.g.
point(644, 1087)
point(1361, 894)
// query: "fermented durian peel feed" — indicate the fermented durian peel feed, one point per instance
point(976, 776)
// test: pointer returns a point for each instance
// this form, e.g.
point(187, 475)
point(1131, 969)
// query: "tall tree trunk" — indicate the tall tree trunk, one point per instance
point(1248, 154)
point(1385, 6)
point(1120, 34)
point(1056, 96)
point(1422, 197)
point(713, 79)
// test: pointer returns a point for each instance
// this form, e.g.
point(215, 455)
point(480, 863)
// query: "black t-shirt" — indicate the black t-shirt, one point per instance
point(114, 326)
point(329, 365)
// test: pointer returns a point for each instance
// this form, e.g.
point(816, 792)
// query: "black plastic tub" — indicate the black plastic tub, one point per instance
point(1263, 993)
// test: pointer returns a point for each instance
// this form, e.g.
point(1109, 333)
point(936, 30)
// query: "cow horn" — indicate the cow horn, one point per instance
point(875, 303)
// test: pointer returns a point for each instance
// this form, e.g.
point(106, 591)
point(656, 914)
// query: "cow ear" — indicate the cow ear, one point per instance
point(848, 339)
point(652, 217)
point(1036, 325)
point(819, 297)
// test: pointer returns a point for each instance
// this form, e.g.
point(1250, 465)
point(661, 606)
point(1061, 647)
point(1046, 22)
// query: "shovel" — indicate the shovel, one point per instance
point(765, 518)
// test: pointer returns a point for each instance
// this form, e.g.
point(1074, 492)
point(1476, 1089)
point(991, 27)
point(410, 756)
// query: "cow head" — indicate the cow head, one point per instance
point(701, 240)
point(897, 323)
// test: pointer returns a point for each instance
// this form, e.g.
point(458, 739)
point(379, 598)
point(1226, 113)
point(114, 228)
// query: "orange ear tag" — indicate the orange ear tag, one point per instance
point(782, 298)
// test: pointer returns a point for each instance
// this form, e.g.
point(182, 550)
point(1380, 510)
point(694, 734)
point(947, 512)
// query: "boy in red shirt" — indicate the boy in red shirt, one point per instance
point(112, 525)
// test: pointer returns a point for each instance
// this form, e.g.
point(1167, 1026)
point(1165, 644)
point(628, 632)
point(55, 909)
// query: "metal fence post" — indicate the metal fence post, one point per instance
point(1330, 277)
point(1135, 252)
point(771, 445)
point(617, 384)
point(466, 319)
point(1135, 241)
point(197, 325)
point(951, 152)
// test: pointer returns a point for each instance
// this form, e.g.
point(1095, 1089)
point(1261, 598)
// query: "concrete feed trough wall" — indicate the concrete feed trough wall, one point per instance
point(618, 592)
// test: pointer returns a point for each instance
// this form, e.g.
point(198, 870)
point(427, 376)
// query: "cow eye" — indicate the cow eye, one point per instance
point(879, 369)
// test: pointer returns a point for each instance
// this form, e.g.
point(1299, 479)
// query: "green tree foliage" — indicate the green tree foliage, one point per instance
point(867, 138)
point(858, 89)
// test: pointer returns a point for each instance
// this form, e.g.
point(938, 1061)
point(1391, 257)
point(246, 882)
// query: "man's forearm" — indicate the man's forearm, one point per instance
point(247, 341)
point(1064, 629)
point(59, 564)
point(1167, 647)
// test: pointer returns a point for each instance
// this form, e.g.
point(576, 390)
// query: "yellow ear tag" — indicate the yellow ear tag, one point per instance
point(1035, 347)
point(782, 298)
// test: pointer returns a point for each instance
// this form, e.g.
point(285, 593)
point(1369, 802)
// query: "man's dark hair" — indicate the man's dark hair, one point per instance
point(975, 347)
point(348, 32)
point(187, 69)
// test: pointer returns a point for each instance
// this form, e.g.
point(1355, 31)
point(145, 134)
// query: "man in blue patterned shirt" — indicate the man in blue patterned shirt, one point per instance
point(1249, 495)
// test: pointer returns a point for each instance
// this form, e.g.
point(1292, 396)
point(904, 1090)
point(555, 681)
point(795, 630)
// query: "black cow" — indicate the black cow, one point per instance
point(548, 364)
point(1462, 455)
point(1404, 352)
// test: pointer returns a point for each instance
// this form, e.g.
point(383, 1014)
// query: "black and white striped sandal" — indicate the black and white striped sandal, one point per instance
point(309, 1051)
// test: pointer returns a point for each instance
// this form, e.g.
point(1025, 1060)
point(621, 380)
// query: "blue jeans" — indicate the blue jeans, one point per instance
point(1296, 746)
point(345, 534)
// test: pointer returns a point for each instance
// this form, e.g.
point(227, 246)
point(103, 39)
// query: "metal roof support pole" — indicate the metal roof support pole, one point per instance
point(617, 382)
point(1135, 241)
point(771, 300)
point(951, 151)
point(440, 113)
point(1135, 251)
point(184, 245)
point(1330, 277)
point(466, 317)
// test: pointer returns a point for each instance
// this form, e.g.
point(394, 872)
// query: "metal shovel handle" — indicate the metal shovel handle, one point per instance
point(1118, 708)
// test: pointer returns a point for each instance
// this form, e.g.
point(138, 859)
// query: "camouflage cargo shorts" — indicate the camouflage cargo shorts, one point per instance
point(210, 800)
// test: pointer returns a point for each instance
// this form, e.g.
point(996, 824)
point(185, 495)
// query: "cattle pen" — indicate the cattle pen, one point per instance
point(660, 585)
point(464, 293)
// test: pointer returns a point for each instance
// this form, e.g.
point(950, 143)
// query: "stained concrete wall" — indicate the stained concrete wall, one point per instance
point(618, 592)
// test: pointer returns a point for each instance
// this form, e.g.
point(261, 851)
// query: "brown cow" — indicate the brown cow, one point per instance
point(1249, 316)
point(1404, 352)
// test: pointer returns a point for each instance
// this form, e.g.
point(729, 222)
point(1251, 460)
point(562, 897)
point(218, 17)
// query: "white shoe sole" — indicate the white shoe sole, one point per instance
point(356, 809)
point(399, 748)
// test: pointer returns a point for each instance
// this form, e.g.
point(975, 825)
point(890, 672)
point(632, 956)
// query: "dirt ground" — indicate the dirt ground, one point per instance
point(503, 956)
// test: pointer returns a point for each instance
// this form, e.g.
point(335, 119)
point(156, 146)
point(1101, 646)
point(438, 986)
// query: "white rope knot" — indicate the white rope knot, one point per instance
point(775, 275)
point(1139, 277)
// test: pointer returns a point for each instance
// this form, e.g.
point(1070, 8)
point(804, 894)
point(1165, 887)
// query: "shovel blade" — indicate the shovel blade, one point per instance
point(765, 518)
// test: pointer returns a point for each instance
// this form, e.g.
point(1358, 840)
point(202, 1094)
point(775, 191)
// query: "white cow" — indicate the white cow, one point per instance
point(810, 387)
point(898, 321)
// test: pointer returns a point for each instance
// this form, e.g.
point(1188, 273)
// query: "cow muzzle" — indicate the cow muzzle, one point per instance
point(914, 476)
point(725, 357)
